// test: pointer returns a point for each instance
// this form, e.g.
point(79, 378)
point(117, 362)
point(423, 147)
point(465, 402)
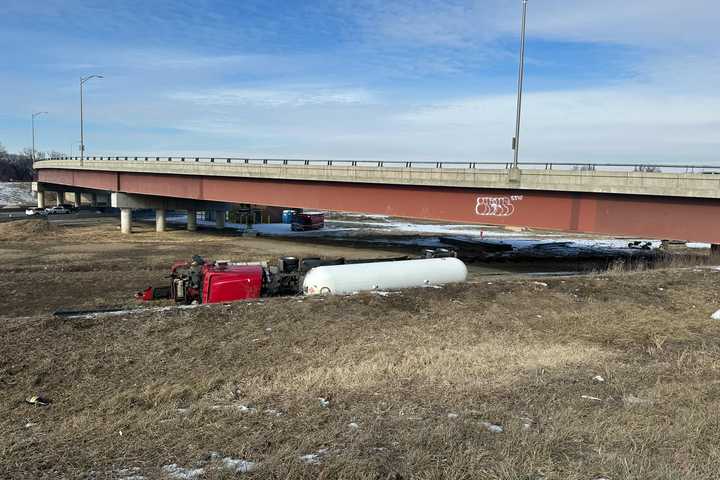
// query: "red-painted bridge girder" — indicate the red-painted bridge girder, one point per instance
point(675, 218)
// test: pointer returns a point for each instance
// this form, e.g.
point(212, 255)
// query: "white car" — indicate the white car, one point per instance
point(58, 209)
point(32, 211)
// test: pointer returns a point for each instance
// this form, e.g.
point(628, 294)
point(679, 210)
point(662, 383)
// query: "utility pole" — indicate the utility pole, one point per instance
point(82, 138)
point(521, 76)
point(36, 114)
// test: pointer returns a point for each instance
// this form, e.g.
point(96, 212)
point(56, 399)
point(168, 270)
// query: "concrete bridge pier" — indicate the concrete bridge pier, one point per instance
point(41, 199)
point(220, 219)
point(192, 220)
point(126, 220)
point(76, 199)
point(60, 198)
point(715, 250)
point(93, 199)
point(159, 219)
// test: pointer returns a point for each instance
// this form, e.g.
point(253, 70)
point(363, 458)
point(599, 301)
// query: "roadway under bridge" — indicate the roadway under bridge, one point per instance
point(679, 203)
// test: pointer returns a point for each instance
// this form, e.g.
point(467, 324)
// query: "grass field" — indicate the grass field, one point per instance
point(494, 379)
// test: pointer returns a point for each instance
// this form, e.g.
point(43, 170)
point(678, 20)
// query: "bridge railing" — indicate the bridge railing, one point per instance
point(627, 167)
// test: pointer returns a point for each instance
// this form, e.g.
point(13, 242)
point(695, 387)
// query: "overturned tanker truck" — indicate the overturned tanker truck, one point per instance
point(202, 281)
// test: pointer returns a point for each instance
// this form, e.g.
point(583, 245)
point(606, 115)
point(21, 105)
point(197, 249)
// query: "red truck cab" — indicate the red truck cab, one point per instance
point(228, 283)
point(307, 221)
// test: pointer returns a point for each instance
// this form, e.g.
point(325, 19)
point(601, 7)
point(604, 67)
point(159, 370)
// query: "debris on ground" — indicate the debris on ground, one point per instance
point(588, 397)
point(38, 401)
point(453, 415)
point(598, 379)
point(324, 402)
point(353, 426)
point(716, 315)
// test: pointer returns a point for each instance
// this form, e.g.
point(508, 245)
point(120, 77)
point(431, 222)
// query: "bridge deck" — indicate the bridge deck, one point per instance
point(688, 185)
point(680, 206)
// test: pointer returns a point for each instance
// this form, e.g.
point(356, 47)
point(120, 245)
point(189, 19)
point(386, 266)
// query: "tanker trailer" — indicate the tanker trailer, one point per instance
point(346, 279)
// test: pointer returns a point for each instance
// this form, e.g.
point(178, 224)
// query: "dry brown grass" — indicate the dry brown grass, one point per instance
point(511, 353)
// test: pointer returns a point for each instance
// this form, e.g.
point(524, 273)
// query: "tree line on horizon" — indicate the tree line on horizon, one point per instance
point(17, 167)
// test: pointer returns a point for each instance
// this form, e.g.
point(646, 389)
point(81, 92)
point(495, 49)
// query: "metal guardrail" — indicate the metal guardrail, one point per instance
point(648, 168)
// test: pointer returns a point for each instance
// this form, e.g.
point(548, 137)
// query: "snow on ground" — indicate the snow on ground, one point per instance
point(176, 472)
point(427, 235)
point(16, 194)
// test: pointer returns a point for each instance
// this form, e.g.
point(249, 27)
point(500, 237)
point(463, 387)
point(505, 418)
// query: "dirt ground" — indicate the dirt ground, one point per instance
point(493, 379)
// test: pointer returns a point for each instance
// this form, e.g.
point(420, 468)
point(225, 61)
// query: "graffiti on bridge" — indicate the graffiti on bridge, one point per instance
point(497, 206)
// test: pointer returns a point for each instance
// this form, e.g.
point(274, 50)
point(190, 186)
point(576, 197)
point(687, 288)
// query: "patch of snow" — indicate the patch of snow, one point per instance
point(238, 465)
point(129, 474)
point(452, 415)
point(540, 284)
point(598, 379)
point(588, 397)
point(353, 426)
point(273, 412)
point(716, 315)
point(633, 400)
point(324, 402)
point(16, 194)
point(310, 458)
point(313, 458)
point(492, 428)
point(239, 407)
point(177, 472)
point(698, 245)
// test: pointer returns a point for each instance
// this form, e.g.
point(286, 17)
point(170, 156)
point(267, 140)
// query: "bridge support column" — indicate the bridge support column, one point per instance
point(60, 197)
point(77, 199)
point(715, 250)
point(220, 219)
point(192, 220)
point(41, 199)
point(93, 199)
point(160, 220)
point(126, 220)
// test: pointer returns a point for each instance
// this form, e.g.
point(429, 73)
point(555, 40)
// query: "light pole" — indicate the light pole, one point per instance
point(521, 76)
point(36, 114)
point(82, 138)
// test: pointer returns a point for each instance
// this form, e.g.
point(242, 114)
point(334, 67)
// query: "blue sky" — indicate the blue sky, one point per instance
point(423, 80)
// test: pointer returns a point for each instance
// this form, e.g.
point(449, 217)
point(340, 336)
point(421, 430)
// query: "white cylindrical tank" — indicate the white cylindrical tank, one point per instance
point(363, 277)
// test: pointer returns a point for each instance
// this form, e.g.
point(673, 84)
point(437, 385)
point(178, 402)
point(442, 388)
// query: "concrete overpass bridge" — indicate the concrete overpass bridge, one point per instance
point(676, 203)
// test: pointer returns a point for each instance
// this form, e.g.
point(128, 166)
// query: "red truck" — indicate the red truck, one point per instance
point(201, 281)
point(307, 221)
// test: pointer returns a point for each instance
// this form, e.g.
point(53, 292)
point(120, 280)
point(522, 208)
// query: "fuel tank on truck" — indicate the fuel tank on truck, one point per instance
point(363, 277)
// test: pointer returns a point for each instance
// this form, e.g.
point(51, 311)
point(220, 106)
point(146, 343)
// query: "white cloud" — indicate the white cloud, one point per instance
point(461, 23)
point(291, 97)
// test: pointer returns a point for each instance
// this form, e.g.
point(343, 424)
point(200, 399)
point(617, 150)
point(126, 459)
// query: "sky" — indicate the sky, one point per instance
point(606, 81)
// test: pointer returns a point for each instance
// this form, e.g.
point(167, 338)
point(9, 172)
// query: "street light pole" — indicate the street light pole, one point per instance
point(521, 76)
point(82, 137)
point(36, 114)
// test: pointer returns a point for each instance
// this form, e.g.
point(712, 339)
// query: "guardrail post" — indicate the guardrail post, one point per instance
point(229, 160)
point(212, 160)
point(197, 159)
